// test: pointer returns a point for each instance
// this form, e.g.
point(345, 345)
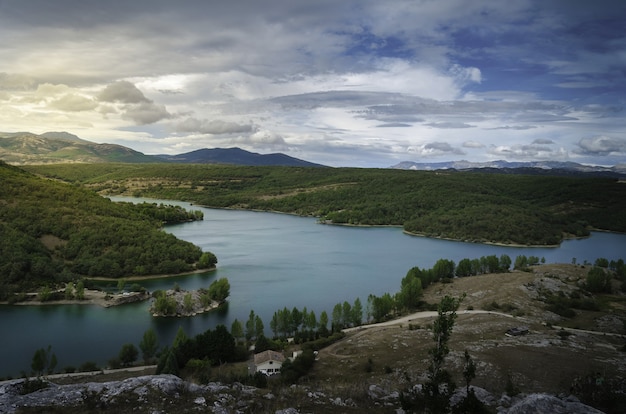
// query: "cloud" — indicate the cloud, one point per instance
point(73, 103)
point(434, 149)
point(543, 141)
point(449, 125)
point(145, 113)
point(515, 127)
point(213, 127)
point(123, 92)
point(601, 145)
point(528, 152)
point(473, 144)
point(393, 125)
point(16, 81)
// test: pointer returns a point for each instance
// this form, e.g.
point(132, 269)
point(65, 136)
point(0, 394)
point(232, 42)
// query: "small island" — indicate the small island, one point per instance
point(179, 302)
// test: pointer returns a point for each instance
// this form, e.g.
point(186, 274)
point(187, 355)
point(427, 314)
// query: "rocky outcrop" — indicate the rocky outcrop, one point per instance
point(544, 403)
point(168, 393)
point(144, 394)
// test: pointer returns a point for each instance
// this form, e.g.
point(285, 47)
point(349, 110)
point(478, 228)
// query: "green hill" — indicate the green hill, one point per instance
point(54, 233)
point(471, 206)
point(21, 148)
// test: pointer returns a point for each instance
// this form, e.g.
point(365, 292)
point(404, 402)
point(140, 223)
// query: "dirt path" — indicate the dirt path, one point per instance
point(420, 315)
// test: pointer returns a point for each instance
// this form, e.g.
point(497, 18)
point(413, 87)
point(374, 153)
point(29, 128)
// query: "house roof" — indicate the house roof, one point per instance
point(269, 355)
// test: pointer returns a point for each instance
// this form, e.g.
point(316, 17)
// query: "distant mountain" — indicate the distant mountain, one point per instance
point(62, 147)
point(532, 167)
point(237, 156)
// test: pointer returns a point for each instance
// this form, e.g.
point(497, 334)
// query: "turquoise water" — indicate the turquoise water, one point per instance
point(271, 261)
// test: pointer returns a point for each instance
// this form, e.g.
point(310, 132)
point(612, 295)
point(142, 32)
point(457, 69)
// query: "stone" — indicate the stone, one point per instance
point(544, 403)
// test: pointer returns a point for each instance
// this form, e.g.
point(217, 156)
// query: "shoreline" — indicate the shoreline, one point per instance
point(92, 297)
point(151, 277)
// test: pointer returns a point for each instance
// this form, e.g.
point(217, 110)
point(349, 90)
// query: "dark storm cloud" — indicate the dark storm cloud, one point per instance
point(601, 145)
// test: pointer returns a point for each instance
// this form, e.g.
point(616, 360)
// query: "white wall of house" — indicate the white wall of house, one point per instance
point(269, 367)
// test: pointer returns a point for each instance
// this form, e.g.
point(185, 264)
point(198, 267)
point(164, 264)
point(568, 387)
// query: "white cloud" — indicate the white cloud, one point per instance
point(601, 145)
point(212, 127)
point(74, 103)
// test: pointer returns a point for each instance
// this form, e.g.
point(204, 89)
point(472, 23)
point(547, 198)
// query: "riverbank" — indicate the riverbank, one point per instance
point(91, 297)
point(151, 277)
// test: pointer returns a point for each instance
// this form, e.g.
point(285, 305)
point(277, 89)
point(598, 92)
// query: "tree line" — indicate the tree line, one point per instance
point(54, 233)
point(472, 206)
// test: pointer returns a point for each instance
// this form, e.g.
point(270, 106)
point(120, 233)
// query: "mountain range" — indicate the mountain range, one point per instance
point(20, 148)
point(236, 156)
point(531, 167)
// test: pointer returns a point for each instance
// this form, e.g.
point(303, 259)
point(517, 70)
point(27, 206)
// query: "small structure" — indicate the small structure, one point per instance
point(517, 331)
point(268, 362)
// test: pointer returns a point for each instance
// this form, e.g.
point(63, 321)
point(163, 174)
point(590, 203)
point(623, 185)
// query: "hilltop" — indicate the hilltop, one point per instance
point(23, 148)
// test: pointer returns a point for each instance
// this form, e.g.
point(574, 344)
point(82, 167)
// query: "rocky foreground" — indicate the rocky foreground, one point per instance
point(168, 394)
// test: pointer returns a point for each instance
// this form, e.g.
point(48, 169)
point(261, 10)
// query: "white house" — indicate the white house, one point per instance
point(268, 362)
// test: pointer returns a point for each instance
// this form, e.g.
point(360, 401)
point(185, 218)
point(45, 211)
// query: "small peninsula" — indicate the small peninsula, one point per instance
point(181, 303)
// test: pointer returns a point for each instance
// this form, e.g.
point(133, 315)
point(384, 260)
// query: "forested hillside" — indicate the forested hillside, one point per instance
point(473, 206)
point(53, 233)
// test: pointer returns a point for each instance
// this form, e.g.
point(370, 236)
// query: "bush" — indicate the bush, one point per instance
point(492, 306)
point(323, 342)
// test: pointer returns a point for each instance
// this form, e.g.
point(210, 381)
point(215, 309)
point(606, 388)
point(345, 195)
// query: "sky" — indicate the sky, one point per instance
point(354, 83)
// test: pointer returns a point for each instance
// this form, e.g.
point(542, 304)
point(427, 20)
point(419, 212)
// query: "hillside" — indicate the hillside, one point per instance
point(236, 156)
point(23, 148)
point(469, 206)
point(54, 233)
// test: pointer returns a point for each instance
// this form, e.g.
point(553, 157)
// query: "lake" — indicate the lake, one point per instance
point(271, 261)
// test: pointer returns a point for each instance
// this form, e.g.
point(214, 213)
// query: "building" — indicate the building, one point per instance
point(268, 362)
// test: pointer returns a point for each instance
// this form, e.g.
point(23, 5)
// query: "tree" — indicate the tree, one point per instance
point(236, 330)
point(296, 319)
point(168, 363)
point(250, 328)
point(505, 263)
point(80, 290)
point(207, 260)
point(337, 314)
point(120, 284)
point(410, 291)
point(219, 290)
point(149, 345)
point(464, 268)
point(346, 314)
point(381, 306)
point(259, 328)
point(53, 363)
point(323, 323)
point(128, 354)
point(180, 338)
point(598, 280)
point(439, 386)
point(357, 313)
point(188, 302)
point(69, 291)
point(443, 269)
point(311, 321)
point(43, 361)
point(436, 391)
